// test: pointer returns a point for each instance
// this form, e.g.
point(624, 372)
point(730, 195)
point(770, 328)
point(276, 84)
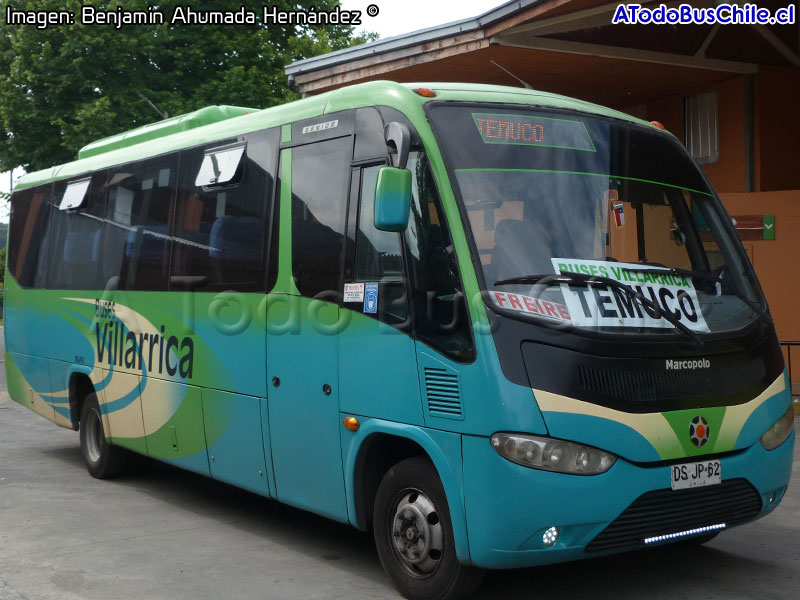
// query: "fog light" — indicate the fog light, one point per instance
point(550, 537)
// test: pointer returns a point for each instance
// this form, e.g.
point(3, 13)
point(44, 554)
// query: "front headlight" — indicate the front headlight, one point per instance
point(778, 433)
point(552, 455)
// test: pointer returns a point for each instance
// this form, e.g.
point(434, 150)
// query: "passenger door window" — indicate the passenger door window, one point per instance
point(320, 179)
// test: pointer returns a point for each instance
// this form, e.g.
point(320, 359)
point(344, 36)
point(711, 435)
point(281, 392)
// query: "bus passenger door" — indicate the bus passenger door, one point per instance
point(302, 312)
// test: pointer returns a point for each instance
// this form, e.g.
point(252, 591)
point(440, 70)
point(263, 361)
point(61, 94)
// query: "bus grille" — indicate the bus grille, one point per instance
point(662, 512)
point(639, 385)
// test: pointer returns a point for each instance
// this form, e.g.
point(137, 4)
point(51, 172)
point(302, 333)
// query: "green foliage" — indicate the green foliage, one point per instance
point(65, 86)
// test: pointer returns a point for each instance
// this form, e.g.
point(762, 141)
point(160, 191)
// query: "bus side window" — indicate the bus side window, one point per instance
point(379, 255)
point(440, 312)
point(27, 243)
point(220, 230)
point(76, 237)
point(320, 179)
point(369, 142)
point(138, 219)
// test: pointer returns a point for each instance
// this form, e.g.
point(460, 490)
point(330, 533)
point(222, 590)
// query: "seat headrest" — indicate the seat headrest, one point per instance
point(150, 241)
point(236, 238)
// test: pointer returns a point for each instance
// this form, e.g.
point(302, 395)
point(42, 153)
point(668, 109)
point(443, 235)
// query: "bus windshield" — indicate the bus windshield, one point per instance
point(594, 223)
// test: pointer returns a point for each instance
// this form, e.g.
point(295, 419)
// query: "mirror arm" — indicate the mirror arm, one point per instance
point(398, 135)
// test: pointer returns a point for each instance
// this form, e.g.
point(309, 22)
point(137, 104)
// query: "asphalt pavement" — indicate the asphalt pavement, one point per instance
point(172, 535)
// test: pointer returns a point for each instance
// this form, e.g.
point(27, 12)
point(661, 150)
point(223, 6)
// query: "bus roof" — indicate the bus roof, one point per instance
point(160, 129)
point(220, 122)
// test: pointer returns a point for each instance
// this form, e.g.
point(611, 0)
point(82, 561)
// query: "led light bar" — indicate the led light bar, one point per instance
point(680, 534)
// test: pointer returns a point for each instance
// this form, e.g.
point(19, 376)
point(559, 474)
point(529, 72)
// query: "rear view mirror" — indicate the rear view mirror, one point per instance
point(392, 199)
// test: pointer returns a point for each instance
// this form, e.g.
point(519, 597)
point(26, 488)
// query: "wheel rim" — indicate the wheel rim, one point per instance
point(416, 535)
point(94, 437)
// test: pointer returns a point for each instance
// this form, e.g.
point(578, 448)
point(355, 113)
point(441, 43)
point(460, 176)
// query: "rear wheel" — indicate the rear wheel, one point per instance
point(414, 534)
point(102, 460)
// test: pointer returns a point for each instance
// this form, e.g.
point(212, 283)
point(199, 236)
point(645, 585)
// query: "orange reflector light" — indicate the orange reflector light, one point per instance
point(351, 423)
point(425, 92)
point(659, 125)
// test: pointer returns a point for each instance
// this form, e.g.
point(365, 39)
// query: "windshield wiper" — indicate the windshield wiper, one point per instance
point(532, 279)
point(572, 278)
point(669, 271)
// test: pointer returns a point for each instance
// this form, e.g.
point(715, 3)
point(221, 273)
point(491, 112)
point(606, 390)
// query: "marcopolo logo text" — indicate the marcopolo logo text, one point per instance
point(691, 365)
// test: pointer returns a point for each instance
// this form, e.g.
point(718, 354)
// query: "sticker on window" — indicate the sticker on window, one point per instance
point(371, 298)
point(610, 306)
point(219, 166)
point(532, 306)
point(75, 195)
point(619, 215)
point(353, 292)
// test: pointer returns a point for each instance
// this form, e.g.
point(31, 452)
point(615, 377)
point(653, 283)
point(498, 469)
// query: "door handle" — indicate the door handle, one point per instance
point(326, 389)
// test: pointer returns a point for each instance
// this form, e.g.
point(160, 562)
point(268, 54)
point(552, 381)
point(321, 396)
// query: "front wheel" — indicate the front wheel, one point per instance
point(102, 460)
point(414, 534)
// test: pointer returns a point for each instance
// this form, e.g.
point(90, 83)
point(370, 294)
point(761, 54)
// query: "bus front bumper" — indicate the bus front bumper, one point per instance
point(509, 507)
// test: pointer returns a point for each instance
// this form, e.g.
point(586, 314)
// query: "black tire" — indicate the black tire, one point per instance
point(411, 513)
point(103, 461)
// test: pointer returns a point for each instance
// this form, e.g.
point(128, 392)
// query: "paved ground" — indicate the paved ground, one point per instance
point(167, 534)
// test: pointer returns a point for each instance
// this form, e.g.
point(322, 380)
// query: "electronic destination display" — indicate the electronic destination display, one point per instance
point(532, 130)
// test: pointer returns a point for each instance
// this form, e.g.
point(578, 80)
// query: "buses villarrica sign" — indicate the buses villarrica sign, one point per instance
point(604, 306)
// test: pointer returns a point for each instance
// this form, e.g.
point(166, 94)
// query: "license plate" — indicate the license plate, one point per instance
point(698, 474)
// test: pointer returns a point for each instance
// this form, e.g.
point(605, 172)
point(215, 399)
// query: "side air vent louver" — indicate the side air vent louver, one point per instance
point(443, 393)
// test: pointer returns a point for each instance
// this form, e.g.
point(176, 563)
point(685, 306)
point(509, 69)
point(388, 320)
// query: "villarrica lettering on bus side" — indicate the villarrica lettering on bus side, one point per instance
point(148, 352)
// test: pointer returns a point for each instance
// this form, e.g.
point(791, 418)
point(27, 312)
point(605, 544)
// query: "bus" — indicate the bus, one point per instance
point(495, 327)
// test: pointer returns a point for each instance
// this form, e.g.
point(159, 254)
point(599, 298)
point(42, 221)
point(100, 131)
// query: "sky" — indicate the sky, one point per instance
point(401, 16)
point(394, 18)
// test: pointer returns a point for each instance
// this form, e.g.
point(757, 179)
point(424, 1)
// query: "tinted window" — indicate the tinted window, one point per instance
point(75, 240)
point(369, 134)
point(220, 231)
point(138, 215)
point(378, 253)
point(320, 178)
point(379, 256)
point(440, 314)
point(27, 245)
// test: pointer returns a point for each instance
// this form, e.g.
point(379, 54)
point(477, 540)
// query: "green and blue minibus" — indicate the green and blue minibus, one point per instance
point(496, 327)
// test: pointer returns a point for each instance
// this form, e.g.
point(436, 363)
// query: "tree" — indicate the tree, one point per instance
point(67, 85)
